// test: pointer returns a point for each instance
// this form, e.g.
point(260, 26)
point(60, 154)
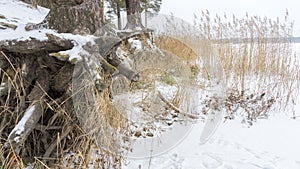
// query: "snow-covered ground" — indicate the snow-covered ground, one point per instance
point(272, 143)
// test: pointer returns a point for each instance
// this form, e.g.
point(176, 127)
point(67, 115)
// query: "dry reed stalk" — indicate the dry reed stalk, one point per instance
point(253, 49)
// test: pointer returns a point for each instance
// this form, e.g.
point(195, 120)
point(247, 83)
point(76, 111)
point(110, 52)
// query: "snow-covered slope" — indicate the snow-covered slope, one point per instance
point(17, 14)
point(22, 12)
point(272, 143)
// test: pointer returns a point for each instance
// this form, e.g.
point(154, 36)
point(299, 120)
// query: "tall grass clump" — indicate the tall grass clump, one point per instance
point(256, 54)
point(253, 55)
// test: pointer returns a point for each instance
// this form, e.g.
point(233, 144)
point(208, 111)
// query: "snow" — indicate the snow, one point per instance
point(20, 14)
point(2, 86)
point(21, 34)
point(20, 127)
point(135, 44)
point(271, 143)
point(275, 135)
point(212, 123)
point(79, 41)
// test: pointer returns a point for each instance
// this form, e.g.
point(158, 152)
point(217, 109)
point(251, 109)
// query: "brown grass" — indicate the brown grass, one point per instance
point(176, 47)
point(255, 53)
point(58, 137)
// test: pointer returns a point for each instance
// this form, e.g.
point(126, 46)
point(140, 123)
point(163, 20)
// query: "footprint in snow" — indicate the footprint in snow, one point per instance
point(211, 161)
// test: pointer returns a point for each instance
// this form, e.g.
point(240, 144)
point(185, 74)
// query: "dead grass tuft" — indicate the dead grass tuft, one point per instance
point(256, 54)
point(58, 137)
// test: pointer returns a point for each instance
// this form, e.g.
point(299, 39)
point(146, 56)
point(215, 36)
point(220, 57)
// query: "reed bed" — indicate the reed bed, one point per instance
point(252, 54)
point(256, 54)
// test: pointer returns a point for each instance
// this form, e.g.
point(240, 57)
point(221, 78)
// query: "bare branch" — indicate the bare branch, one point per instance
point(176, 109)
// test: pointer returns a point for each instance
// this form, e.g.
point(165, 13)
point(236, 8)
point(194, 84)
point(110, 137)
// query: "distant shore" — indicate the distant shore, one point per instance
point(270, 40)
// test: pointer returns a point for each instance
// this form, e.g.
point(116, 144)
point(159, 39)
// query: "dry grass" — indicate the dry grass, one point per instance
point(255, 53)
point(58, 140)
point(248, 49)
point(176, 47)
point(265, 58)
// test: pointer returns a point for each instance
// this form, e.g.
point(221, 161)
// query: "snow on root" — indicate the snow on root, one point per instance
point(15, 15)
point(20, 127)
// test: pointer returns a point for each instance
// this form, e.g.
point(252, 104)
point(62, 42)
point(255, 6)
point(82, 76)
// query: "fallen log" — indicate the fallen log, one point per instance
point(176, 109)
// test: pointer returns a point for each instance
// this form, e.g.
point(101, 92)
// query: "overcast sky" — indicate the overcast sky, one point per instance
point(186, 9)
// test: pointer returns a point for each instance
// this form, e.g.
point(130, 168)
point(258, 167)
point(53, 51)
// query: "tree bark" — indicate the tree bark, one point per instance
point(102, 10)
point(85, 17)
point(33, 113)
point(53, 44)
point(73, 16)
point(134, 19)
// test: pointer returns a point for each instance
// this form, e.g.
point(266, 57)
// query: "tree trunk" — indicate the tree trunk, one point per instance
point(119, 15)
point(134, 19)
point(72, 16)
point(146, 15)
point(102, 10)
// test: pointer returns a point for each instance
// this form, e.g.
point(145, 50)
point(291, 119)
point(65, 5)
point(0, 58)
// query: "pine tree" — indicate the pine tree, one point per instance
point(151, 7)
point(115, 9)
